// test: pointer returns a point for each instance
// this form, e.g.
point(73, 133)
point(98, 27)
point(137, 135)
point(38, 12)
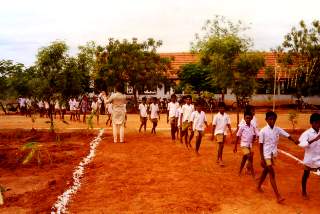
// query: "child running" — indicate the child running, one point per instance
point(143, 108)
point(310, 141)
point(198, 120)
point(219, 124)
point(185, 120)
point(246, 134)
point(268, 139)
point(154, 114)
point(172, 115)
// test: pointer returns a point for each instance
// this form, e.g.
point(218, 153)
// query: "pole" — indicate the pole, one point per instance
point(274, 87)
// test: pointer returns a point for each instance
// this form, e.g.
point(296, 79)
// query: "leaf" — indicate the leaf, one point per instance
point(29, 157)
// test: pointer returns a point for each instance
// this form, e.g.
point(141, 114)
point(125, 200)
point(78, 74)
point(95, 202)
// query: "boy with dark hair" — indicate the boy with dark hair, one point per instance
point(198, 120)
point(246, 134)
point(268, 139)
point(185, 119)
point(154, 114)
point(219, 124)
point(310, 141)
point(171, 115)
point(143, 109)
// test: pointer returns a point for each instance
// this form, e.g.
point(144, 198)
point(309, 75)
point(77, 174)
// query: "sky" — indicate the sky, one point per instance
point(26, 26)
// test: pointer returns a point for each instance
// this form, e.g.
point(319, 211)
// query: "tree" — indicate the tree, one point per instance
point(196, 76)
point(134, 63)
point(300, 53)
point(222, 42)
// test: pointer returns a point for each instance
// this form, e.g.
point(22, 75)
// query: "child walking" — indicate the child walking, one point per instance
point(143, 108)
point(219, 124)
point(310, 141)
point(172, 115)
point(246, 135)
point(185, 120)
point(198, 120)
point(268, 139)
point(154, 114)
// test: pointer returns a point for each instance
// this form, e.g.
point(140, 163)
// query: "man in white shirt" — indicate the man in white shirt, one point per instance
point(268, 139)
point(143, 109)
point(310, 141)
point(220, 123)
point(118, 115)
point(185, 119)
point(172, 115)
point(198, 120)
point(154, 114)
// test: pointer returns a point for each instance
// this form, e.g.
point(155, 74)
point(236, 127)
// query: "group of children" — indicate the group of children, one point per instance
point(187, 119)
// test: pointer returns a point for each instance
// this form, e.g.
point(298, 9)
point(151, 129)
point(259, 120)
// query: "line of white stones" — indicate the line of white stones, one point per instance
point(296, 159)
point(60, 206)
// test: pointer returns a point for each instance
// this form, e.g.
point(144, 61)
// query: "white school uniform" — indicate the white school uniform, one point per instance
point(154, 111)
point(172, 108)
point(94, 106)
point(178, 115)
point(221, 121)
point(143, 110)
point(187, 110)
point(198, 120)
point(46, 105)
point(270, 139)
point(40, 104)
point(246, 134)
point(57, 105)
point(311, 151)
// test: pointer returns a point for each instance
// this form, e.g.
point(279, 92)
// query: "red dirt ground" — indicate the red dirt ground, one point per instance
point(33, 188)
point(151, 174)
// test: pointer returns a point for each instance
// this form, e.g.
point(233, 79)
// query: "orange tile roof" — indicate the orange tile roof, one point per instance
point(181, 58)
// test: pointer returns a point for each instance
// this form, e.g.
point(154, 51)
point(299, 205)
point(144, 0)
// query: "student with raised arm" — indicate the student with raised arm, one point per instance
point(310, 141)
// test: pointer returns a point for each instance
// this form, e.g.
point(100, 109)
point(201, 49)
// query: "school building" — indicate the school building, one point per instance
point(264, 93)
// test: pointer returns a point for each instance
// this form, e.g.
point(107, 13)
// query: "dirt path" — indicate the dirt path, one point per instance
point(151, 174)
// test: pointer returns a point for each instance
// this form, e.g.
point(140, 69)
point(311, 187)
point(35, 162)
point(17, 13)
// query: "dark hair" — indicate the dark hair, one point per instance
point(247, 113)
point(314, 117)
point(271, 114)
point(221, 105)
point(154, 98)
point(188, 96)
point(173, 96)
point(144, 98)
point(120, 87)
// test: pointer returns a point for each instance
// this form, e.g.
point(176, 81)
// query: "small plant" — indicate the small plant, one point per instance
point(90, 119)
point(35, 150)
point(293, 118)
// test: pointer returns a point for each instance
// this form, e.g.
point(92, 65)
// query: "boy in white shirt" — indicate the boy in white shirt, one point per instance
point(268, 139)
point(220, 123)
point(310, 141)
point(95, 107)
point(246, 134)
point(172, 115)
point(185, 120)
point(178, 116)
point(72, 104)
point(198, 120)
point(143, 109)
point(154, 114)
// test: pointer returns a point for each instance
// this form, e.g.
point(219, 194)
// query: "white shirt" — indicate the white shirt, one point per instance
point(311, 151)
point(94, 106)
point(178, 115)
point(143, 110)
point(221, 121)
point(198, 120)
point(154, 109)
point(186, 110)
point(172, 108)
point(56, 105)
point(270, 139)
point(46, 105)
point(22, 102)
point(246, 134)
point(109, 108)
point(40, 104)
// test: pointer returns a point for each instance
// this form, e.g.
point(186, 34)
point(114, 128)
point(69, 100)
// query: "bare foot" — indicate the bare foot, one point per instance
point(305, 197)
point(259, 189)
point(280, 200)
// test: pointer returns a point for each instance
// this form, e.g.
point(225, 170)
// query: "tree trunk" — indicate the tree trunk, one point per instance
point(135, 99)
point(238, 111)
point(51, 117)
